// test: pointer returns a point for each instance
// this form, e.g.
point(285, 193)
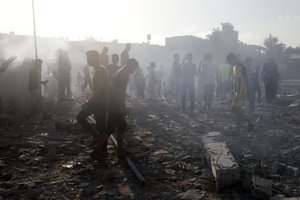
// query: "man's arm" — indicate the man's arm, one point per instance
point(7, 63)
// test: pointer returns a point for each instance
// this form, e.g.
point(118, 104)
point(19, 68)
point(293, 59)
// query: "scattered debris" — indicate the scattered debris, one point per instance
point(164, 143)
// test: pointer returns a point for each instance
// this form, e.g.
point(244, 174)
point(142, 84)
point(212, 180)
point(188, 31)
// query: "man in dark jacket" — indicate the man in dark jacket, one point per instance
point(116, 108)
point(97, 103)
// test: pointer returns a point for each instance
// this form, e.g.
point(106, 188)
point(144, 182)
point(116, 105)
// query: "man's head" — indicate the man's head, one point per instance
point(207, 57)
point(152, 65)
point(115, 59)
point(38, 63)
point(105, 50)
point(176, 57)
point(132, 64)
point(92, 57)
point(128, 47)
point(189, 57)
point(232, 59)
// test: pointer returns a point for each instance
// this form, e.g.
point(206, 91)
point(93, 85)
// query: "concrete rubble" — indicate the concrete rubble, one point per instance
point(261, 188)
point(43, 159)
point(224, 167)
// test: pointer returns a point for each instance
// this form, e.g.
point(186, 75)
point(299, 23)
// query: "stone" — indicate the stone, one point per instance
point(281, 197)
point(293, 170)
point(193, 194)
point(261, 188)
point(275, 167)
point(295, 104)
point(223, 165)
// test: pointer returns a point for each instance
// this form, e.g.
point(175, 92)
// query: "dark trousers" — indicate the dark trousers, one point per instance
point(64, 83)
point(177, 91)
point(0, 104)
point(116, 122)
point(208, 94)
point(271, 91)
point(257, 90)
point(140, 91)
point(96, 108)
point(190, 88)
point(251, 96)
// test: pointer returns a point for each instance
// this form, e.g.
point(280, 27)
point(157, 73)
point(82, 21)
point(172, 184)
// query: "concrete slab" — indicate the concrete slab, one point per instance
point(223, 165)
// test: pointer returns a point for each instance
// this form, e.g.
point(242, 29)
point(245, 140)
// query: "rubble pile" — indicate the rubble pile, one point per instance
point(49, 158)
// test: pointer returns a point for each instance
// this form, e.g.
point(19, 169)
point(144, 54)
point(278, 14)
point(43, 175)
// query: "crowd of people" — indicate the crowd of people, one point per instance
point(108, 84)
point(236, 81)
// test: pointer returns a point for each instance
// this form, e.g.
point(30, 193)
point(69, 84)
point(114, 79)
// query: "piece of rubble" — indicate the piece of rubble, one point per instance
point(223, 165)
point(275, 167)
point(192, 195)
point(261, 188)
point(292, 170)
point(287, 99)
point(281, 197)
point(295, 104)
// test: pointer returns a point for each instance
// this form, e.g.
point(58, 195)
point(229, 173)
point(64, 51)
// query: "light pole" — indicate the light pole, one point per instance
point(34, 30)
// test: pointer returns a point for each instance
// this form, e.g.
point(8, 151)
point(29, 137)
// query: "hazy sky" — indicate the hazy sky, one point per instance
point(132, 20)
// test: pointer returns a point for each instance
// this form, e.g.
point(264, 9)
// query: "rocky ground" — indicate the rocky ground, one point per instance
point(49, 158)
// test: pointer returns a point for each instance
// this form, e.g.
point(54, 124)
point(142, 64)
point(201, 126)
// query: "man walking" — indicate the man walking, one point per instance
point(188, 82)
point(96, 104)
point(240, 91)
point(116, 109)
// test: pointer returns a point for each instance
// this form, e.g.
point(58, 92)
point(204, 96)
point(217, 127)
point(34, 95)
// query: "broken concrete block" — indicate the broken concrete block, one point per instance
point(292, 170)
point(287, 99)
point(223, 165)
point(275, 167)
point(281, 197)
point(296, 150)
point(192, 195)
point(295, 104)
point(261, 188)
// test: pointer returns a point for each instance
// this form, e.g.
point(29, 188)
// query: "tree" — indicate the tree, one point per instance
point(226, 36)
point(274, 49)
point(224, 40)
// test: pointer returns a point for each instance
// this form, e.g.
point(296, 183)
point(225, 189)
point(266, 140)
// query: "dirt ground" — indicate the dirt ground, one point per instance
point(49, 159)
